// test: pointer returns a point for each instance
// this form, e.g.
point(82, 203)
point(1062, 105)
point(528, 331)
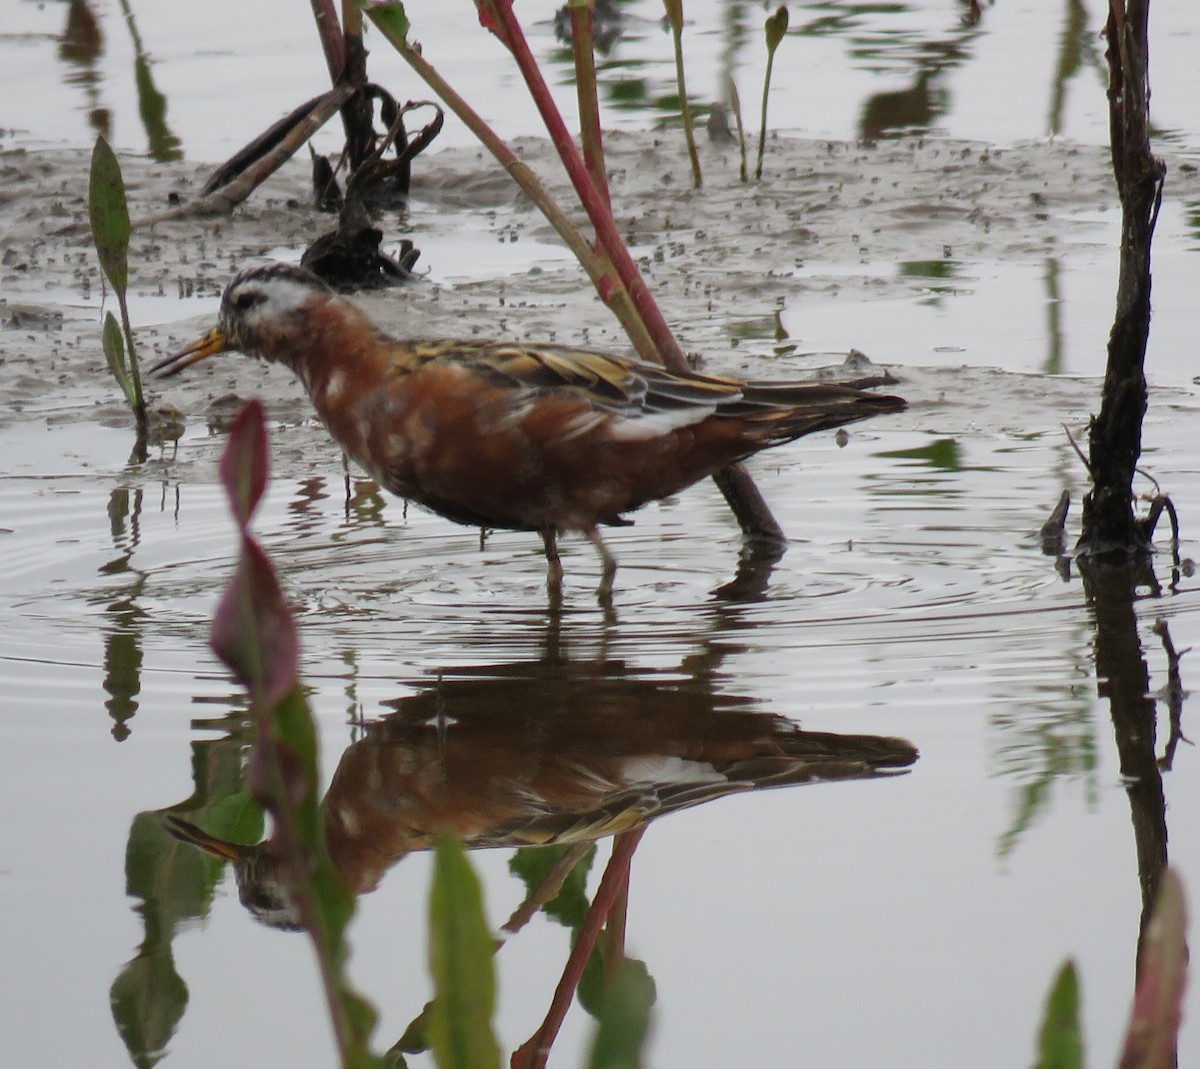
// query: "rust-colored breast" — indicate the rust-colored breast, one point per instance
point(455, 436)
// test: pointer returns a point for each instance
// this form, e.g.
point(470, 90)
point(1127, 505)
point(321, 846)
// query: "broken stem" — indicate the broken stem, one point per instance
point(223, 200)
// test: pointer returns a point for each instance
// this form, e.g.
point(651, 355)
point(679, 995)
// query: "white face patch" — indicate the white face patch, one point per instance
point(277, 298)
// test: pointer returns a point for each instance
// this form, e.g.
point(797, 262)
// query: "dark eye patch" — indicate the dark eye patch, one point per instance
point(248, 299)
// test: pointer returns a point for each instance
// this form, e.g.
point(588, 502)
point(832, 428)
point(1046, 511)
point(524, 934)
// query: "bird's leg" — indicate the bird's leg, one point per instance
point(608, 568)
point(554, 570)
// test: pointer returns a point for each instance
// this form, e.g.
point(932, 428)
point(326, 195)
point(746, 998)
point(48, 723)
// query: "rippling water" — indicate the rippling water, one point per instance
point(910, 921)
point(914, 600)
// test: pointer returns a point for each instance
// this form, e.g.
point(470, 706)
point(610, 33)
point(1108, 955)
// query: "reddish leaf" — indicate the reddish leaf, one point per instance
point(1153, 1034)
point(245, 464)
point(490, 20)
point(253, 631)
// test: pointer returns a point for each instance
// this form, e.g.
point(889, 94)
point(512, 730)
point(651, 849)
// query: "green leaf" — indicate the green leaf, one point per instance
point(1061, 1045)
point(674, 10)
point(460, 959)
point(390, 17)
point(776, 26)
point(114, 353)
point(623, 1019)
point(109, 214)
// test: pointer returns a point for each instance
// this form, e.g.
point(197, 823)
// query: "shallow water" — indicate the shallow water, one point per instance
point(912, 920)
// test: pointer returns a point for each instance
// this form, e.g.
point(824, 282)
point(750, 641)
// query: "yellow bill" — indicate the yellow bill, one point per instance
point(187, 832)
point(201, 349)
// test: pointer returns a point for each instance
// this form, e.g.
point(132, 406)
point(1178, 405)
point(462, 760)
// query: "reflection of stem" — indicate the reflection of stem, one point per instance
point(1125, 681)
point(1054, 337)
point(533, 1053)
point(122, 648)
point(1174, 694)
point(550, 885)
point(152, 105)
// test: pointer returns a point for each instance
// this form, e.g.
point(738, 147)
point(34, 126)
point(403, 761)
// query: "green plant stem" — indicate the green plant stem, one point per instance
point(675, 16)
point(735, 105)
point(762, 134)
point(613, 884)
point(139, 398)
point(585, 88)
point(775, 27)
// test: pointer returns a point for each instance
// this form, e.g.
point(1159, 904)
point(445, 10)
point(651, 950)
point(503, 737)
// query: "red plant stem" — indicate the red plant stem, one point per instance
point(607, 237)
point(332, 42)
point(590, 131)
point(598, 269)
point(613, 884)
point(738, 488)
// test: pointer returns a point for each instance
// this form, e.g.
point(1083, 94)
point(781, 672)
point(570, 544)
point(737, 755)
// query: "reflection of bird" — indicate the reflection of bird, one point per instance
point(510, 435)
point(545, 757)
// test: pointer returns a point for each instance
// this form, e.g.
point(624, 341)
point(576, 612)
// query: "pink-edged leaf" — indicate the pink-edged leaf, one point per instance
point(490, 20)
point(1152, 1037)
point(245, 464)
point(253, 631)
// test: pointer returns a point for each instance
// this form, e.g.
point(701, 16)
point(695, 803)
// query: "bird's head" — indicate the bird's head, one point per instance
point(262, 878)
point(264, 311)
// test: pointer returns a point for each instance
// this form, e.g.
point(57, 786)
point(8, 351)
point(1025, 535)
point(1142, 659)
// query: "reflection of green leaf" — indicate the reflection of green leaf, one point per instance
point(416, 1036)
point(1060, 1045)
point(941, 269)
point(460, 958)
point(1055, 744)
point(944, 453)
point(175, 884)
point(152, 106)
point(148, 998)
point(109, 214)
point(623, 1018)
point(532, 863)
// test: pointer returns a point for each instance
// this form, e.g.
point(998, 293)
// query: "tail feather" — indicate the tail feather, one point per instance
point(781, 412)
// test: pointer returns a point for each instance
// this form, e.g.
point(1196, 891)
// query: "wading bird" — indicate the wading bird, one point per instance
point(512, 435)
